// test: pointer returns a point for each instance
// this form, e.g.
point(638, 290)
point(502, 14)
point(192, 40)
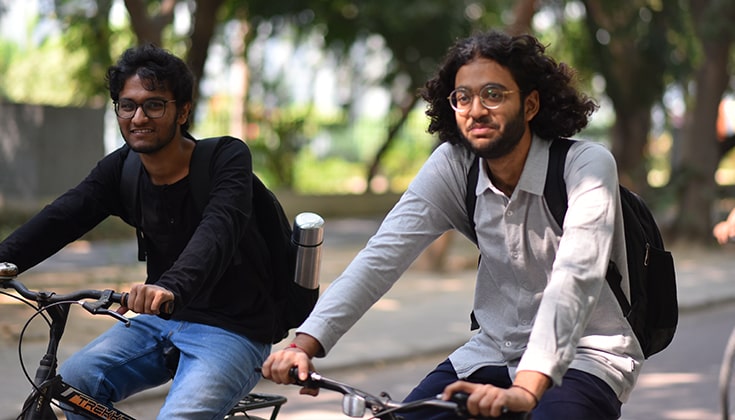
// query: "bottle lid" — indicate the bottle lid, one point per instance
point(308, 229)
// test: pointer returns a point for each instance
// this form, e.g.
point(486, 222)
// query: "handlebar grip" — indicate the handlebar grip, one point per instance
point(167, 307)
point(308, 383)
point(460, 398)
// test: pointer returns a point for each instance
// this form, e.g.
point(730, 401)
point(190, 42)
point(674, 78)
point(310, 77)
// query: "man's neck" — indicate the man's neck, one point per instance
point(505, 172)
point(170, 164)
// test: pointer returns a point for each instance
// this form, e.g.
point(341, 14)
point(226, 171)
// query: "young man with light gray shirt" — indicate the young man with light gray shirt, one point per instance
point(553, 340)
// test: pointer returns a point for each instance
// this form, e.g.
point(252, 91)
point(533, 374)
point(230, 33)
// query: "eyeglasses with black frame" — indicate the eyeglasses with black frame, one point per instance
point(152, 108)
point(491, 97)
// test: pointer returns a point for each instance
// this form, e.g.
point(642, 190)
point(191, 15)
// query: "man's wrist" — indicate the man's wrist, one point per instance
point(529, 392)
point(534, 383)
point(307, 344)
point(297, 347)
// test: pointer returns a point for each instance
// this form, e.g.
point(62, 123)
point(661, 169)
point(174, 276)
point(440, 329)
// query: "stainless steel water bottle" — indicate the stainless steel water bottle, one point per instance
point(308, 235)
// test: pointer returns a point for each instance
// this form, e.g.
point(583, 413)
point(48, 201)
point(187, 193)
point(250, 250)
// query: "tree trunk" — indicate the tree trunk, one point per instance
point(629, 138)
point(700, 154)
point(238, 111)
point(147, 28)
point(523, 11)
point(631, 85)
point(392, 132)
point(205, 20)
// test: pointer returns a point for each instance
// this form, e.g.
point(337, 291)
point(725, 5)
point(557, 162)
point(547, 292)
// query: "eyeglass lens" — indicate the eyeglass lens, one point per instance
point(152, 108)
point(491, 97)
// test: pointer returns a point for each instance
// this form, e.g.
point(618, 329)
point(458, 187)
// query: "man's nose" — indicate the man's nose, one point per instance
point(477, 108)
point(139, 114)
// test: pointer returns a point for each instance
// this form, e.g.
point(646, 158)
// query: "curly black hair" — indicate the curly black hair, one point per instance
point(158, 69)
point(563, 112)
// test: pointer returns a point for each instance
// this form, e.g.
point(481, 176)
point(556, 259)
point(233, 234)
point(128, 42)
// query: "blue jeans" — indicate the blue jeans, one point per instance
point(581, 396)
point(216, 367)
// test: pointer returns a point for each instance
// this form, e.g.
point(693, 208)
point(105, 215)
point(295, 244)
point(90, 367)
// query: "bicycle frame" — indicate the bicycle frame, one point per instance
point(38, 405)
point(49, 388)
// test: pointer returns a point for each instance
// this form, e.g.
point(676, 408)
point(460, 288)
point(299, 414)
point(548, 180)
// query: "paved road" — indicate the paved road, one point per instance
point(402, 325)
point(681, 383)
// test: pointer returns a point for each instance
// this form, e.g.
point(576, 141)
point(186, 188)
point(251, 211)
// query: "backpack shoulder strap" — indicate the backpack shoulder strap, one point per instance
point(470, 201)
point(555, 188)
point(129, 178)
point(199, 171)
point(129, 195)
point(470, 196)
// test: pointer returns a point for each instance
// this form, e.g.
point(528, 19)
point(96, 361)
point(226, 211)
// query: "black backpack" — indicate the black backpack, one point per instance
point(653, 310)
point(293, 303)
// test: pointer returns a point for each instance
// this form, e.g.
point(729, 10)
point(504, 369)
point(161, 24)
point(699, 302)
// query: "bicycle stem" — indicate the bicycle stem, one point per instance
point(59, 315)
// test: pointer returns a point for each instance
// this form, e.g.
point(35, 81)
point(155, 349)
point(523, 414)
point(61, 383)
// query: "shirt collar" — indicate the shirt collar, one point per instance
point(533, 177)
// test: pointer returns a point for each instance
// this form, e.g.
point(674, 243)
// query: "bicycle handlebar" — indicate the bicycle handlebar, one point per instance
point(103, 298)
point(356, 401)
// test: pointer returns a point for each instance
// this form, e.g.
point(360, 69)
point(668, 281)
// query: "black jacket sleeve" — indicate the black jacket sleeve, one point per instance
point(68, 217)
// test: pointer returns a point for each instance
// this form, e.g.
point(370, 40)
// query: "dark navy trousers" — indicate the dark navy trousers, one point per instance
point(581, 396)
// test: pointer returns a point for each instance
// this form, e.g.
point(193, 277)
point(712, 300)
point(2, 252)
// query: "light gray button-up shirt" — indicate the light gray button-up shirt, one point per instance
point(541, 298)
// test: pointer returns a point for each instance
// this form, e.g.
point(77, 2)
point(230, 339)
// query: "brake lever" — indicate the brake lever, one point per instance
point(101, 307)
point(104, 311)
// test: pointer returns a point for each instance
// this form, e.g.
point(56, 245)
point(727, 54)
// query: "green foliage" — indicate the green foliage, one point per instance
point(287, 135)
point(89, 28)
point(68, 66)
point(279, 135)
point(343, 172)
point(330, 175)
point(644, 33)
point(8, 52)
point(46, 76)
point(405, 157)
point(572, 32)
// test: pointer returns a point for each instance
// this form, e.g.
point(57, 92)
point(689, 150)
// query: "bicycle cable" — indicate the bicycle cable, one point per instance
point(38, 311)
point(27, 302)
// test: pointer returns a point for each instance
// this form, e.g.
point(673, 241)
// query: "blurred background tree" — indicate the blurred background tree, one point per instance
point(712, 22)
point(325, 91)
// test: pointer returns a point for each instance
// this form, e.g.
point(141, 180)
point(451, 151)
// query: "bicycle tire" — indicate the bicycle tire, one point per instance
point(726, 376)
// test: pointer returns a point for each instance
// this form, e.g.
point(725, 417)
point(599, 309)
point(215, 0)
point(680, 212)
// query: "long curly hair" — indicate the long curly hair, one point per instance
point(563, 112)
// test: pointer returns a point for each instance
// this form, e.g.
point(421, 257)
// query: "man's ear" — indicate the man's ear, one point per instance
point(183, 113)
point(532, 104)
